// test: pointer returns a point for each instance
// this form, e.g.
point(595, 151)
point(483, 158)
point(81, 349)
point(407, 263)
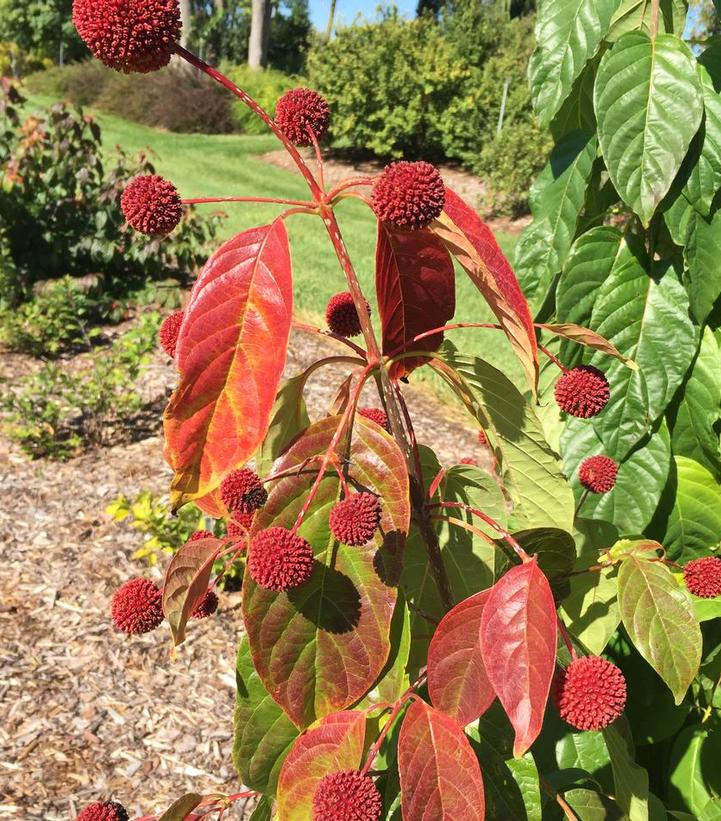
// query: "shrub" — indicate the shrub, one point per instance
point(16, 62)
point(57, 412)
point(265, 86)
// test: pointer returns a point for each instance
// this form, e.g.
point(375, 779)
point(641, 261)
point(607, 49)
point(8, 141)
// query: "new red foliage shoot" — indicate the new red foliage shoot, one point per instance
point(598, 474)
point(355, 519)
point(208, 605)
point(377, 415)
point(168, 333)
point(582, 391)
point(341, 315)
point(129, 35)
point(151, 205)
point(301, 114)
point(279, 560)
point(201, 534)
point(347, 796)
point(482, 438)
point(240, 524)
point(590, 693)
point(103, 811)
point(703, 577)
point(409, 194)
point(136, 606)
point(468, 460)
point(242, 491)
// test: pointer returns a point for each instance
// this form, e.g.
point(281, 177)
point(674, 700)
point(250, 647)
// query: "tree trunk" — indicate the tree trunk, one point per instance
point(185, 20)
point(259, 31)
point(331, 20)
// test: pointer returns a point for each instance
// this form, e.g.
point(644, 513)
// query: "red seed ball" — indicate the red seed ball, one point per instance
point(301, 112)
point(103, 811)
point(242, 491)
point(201, 534)
point(168, 333)
point(703, 577)
point(137, 606)
point(582, 391)
point(346, 796)
point(376, 415)
point(151, 205)
point(129, 35)
point(355, 519)
point(598, 474)
point(279, 560)
point(408, 194)
point(341, 315)
point(240, 524)
point(590, 693)
point(207, 606)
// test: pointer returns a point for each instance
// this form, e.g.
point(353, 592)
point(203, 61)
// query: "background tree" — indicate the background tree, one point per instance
point(41, 26)
point(259, 33)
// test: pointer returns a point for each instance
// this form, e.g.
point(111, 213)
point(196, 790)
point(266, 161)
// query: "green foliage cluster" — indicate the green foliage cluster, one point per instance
point(59, 410)
point(265, 86)
point(433, 89)
point(40, 29)
point(60, 210)
point(625, 240)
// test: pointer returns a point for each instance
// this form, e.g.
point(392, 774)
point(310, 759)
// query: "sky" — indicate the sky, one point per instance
point(346, 10)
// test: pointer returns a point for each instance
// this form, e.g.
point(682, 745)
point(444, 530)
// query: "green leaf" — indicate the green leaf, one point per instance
point(525, 774)
point(263, 810)
point(703, 275)
point(568, 33)
point(694, 773)
point(263, 733)
point(321, 646)
point(630, 779)
point(648, 104)
point(693, 423)
point(530, 468)
point(592, 806)
point(694, 524)
point(287, 419)
point(640, 481)
point(704, 178)
point(576, 113)
point(180, 809)
point(393, 680)
point(556, 198)
point(635, 15)
point(659, 618)
point(586, 751)
point(556, 549)
point(640, 317)
point(712, 811)
point(590, 609)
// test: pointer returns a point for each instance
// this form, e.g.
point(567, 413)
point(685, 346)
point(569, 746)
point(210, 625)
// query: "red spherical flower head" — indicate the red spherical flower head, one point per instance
point(201, 534)
point(582, 391)
point(168, 333)
point(482, 438)
point(590, 693)
point(129, 35)
point(240, 524)
point(598, 474)
point(207, 606)
point(376, 415)
point(703, 577)
point(301, 113)
point(409, 194)
point(137, 606)
point(103, 811)
point(346, 796)
point(341, 315)
point(242, 491)
point(355, 519)
point(279, 560)
point(151, 205)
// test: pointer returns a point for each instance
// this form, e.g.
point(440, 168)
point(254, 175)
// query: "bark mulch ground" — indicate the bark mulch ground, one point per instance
point(86, 713)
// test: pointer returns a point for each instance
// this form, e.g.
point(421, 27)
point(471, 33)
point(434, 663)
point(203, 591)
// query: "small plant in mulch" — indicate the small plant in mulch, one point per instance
point(427, 641)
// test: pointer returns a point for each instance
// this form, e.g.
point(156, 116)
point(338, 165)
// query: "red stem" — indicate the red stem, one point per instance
point(318, 159)
point(333, 193)
point(278, 201)
point(553, 358)
point(302, 326)
point(565, 636)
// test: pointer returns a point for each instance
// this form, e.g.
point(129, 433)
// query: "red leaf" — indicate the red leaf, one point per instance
point(585, 336)
point(231, 353)
point(186, 581)
point(416, 290)
point(472, 243)
point(335, 744)
point(212, 505)
point(440, 775)
point(180, 809)
point(457, 680)
point(518, 641)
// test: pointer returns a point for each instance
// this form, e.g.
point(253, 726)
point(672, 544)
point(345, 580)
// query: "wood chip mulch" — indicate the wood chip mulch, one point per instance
point(88, 714)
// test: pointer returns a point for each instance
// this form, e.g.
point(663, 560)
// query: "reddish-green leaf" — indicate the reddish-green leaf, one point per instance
point(416, 289)
point(589, 338)
point(518, 641)
point(231, 353)
point(457, 680)
point(179, 810)
point(439, 772)
point(186, 581)
point(472, 243)
point(320, 647)
point(336, 744)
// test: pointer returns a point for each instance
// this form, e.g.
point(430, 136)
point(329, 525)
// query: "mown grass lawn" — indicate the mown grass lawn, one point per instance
point(230, 165)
